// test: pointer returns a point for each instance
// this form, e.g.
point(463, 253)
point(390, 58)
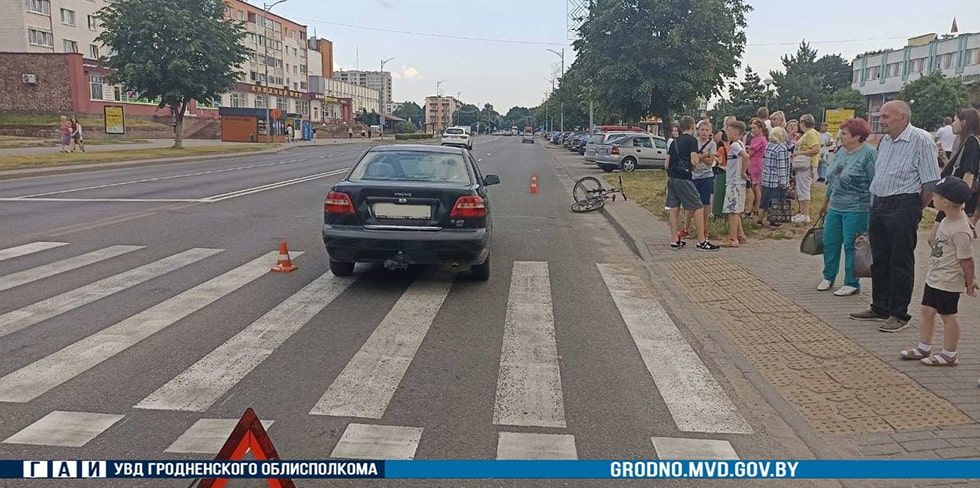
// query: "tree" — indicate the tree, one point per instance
point(834, 72)
point(519, 116)
point(173, 51)
point(410, 111)
point(747, 98)
point(467, 114)
point(933, 97)
point(365, 118)
point(808, 83)
point(489, 118)
point(405, 127)
point(649, 57)
point(974, 94)
point(849, 98)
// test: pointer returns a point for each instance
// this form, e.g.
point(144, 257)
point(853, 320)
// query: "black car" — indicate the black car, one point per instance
point(410, 204)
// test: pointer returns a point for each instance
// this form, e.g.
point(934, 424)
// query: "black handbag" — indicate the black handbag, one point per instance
point(812, 243)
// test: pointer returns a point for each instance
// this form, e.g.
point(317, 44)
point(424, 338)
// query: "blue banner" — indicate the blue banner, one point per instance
point(453, 469)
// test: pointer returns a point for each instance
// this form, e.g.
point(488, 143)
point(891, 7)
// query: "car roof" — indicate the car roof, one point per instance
point(417, 148)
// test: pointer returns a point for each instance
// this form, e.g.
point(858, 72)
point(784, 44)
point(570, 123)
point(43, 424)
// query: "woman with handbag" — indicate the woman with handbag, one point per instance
point(965, 161)
point(847, 207)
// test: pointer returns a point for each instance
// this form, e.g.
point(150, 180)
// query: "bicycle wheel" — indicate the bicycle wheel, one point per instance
point(585, 188)
point(588, 205)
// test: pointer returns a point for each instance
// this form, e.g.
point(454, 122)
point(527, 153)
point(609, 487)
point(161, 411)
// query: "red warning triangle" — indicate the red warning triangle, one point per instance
point(248, 435)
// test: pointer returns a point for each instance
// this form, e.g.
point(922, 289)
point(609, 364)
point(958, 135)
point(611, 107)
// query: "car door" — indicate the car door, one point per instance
point(659, 153)
point(647, 153)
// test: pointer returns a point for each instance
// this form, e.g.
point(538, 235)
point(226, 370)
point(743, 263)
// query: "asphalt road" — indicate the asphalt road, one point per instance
point(563, 353)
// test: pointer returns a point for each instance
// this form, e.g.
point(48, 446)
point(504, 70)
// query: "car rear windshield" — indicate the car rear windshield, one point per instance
point(454, 131)
point(596, 138)
point(412, 166)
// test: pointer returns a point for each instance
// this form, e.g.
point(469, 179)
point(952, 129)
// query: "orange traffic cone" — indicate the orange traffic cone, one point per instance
point(284, 265)
point(534, 184)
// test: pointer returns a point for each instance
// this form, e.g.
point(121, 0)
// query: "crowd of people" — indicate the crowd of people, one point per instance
point(757, 170)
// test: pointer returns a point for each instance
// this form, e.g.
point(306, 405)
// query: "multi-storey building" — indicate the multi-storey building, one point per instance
point(439, 111)
point(51, 26)
point(376, 80)
point(879, 76)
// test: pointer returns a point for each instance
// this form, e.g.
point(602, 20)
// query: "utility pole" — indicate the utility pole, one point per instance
point(381, 99)
point(265, 61)
point(560, 98)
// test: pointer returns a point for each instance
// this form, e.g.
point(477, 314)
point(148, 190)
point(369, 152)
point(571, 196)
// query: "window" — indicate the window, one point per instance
point(93, 23)
point(973, 57)
point(40, 38)
point(282, 103)
point(894, 69)
point(67, 16)
point(95, 84)
point(918, 65)
point(660, 143)
point(295, 69)
point(303, 107)
point(70, 46)
point(873, 73)
point(237, 100)
point(302, 85)
point(93, 51)
point(39, 6)
point(259, 101)
point(857, 76)
point(944, 61)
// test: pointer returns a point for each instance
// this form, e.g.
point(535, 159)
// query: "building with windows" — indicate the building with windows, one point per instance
point(51, 26)
point(439, 111)
point(376, 80)
point(879, 76)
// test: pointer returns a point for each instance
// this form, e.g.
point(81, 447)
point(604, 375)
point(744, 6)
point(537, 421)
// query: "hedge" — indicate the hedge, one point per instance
point(403, 137)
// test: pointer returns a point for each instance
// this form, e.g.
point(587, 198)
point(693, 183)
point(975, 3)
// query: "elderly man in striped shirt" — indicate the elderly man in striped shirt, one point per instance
point(905, 177)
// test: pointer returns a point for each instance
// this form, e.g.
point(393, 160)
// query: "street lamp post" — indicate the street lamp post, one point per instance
point(560, 98)
point(768, 83)
point(381, 99)
point(265, 61)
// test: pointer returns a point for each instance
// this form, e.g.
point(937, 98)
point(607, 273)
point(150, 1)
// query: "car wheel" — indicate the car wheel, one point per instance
point(629, 165)
point(480, 272)
point(341, 269)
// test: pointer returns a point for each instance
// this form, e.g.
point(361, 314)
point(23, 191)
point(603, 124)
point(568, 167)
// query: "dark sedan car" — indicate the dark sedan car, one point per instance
point(410, 204)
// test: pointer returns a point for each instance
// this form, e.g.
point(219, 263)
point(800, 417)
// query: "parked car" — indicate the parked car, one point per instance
point(457, 136)
point(601, 138)
point(410, 204)
point(632, 152)
point(578, 145)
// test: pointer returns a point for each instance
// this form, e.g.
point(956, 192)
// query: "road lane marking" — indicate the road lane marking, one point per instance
point(271, 186)
point(15, 320)
point(529, 384)
point(58, 267)
point(108, 200)
point(199, 386)
point(677, 448)
point(64, 429)
point(51, 371)
point(695, 400)
point(13, 252)
point(207, 436)
point(526, 446)
point(363, 441)
point(368, 382)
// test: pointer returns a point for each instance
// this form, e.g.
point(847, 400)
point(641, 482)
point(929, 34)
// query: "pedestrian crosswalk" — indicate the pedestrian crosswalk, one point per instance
point(528, 410)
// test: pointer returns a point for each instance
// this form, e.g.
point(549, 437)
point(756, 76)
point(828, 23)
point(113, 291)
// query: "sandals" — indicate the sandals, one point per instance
point(939, 360)
point(730, 243)
point(913, 354)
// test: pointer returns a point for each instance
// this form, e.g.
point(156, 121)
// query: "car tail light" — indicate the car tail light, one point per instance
point(468, 207)
point(338, 203)
point(614, 150)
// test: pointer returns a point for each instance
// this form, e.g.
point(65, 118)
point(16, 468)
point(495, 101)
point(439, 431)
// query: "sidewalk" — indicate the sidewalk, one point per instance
point(165, 143)
point(840, 380)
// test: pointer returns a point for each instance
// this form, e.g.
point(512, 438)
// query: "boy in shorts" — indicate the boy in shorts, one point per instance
point(736, 173)
point(950, 274)
point(681, 192)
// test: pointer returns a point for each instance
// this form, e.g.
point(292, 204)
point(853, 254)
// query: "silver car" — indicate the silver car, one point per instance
point(601, 138)
point(632, 152)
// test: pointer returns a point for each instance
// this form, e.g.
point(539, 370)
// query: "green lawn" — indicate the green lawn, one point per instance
point(86, 120)
point(13, 142)
point(649, 189)
point(59, 159)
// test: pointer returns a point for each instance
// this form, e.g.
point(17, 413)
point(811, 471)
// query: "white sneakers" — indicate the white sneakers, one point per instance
point(824, 285)
point(801, 219)
point(846, 291)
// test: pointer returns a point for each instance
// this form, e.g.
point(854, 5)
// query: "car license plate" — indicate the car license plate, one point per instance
point(396, 211)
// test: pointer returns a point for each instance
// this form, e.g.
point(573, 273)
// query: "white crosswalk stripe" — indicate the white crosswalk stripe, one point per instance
point(15, 320)
point(365, 387)
point(66, 429)
point(525, 446)
point(529, 384)
point(21, 278)
point(202, 384)
point(695, 400)
point(41, 376)
point(13, 252)
point(363, 441)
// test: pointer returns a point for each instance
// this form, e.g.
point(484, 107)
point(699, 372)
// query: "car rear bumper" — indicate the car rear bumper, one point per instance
point(356, 244)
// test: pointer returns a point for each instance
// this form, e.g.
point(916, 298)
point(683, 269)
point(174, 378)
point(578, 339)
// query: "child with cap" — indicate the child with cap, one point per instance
point(950, 273)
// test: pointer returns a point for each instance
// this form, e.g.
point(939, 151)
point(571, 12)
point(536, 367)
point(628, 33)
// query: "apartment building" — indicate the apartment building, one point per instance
point(51, 26)
point(879, 76)
point(439, 111)
point(376, 80)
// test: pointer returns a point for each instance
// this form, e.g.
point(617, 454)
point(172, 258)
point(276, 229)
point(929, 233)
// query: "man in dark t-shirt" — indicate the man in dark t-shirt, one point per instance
point(681, 191)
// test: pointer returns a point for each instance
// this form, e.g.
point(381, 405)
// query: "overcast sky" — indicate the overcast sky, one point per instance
point(519, 73)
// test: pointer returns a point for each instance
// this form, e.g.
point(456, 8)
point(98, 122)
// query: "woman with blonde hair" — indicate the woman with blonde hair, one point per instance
point(775, 176)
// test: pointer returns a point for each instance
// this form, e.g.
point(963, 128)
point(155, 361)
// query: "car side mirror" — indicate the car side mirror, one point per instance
point(491, 180)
